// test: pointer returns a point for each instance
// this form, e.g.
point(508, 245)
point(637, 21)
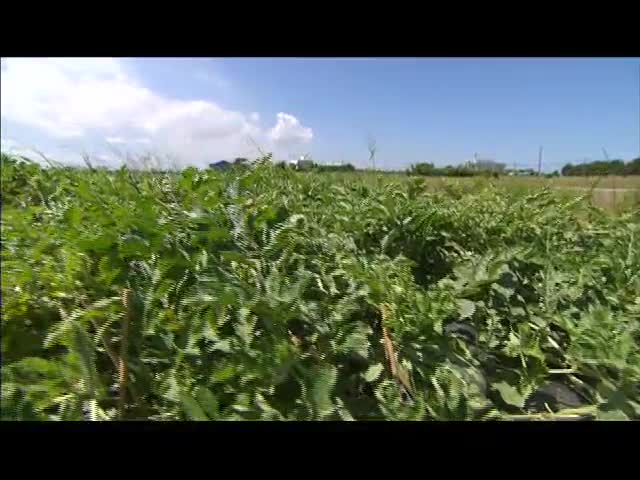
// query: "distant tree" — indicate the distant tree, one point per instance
point(633, 167)
point(466, 172)
point(616, 167)
point(347, 167)
point(426, 169)
point(602, 167)
point(489, 166)
point(567, 170)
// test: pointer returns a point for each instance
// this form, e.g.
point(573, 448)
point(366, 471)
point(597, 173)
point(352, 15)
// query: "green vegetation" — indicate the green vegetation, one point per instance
point(429, 170)
point(603, 167)
point(265, 293)
point(488, 168)
point(318, 167)
point(347, 167)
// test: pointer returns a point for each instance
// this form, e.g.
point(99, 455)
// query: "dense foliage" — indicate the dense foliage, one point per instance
point(318, 167)
point(603, 167)
point(271, 294)
point(430, 170)
point(347, 167)
point(597, 168)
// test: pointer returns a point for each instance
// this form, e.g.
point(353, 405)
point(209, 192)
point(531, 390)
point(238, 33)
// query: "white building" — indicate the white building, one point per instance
point(303, 163)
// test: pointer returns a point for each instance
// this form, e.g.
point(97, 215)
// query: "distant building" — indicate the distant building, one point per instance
point(302, 163)
point(305, 164)
point(486, 165)
point(223, 164)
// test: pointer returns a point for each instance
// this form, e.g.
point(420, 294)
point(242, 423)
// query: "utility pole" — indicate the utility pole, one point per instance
point(372, 147)
point(540, 161)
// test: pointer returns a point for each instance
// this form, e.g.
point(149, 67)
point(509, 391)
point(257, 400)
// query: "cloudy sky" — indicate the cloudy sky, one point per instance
point(196, 111)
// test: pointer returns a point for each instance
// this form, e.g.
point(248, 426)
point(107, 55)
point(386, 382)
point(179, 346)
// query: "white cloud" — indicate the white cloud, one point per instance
point(68, 98)
point(288, 131)
point(65, 97)
point(125, 141)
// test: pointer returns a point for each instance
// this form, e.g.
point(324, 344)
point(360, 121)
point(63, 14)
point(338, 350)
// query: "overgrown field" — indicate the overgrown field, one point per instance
point(611, 192)
point(266, 294)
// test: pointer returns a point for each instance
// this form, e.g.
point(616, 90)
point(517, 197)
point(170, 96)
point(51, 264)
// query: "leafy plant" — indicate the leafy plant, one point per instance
point(267, 294)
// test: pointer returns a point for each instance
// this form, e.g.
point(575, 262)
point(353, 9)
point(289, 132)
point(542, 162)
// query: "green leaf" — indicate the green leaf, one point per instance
point(373, 372)
point(170, 388)
point(323, 383)
point(208, 402)
point(614, 415)
point(233, 256)
point(357, 341)
point(41, 366)
point(216, 234)
point(84, 349)
point(56, 334)
point(509, 394)
point(73, 216)
point(466, 308)
point(343, 412)
point(191, 408)
point(225, 373)
point(268, 412)
point(244, 325)
point(223, 345)
point(505, 292)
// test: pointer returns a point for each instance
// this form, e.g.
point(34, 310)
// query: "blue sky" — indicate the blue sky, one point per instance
point(437, 110)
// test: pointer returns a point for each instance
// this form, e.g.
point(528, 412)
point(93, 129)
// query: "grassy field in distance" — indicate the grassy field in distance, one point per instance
point(614, 193)
point(609, 192)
